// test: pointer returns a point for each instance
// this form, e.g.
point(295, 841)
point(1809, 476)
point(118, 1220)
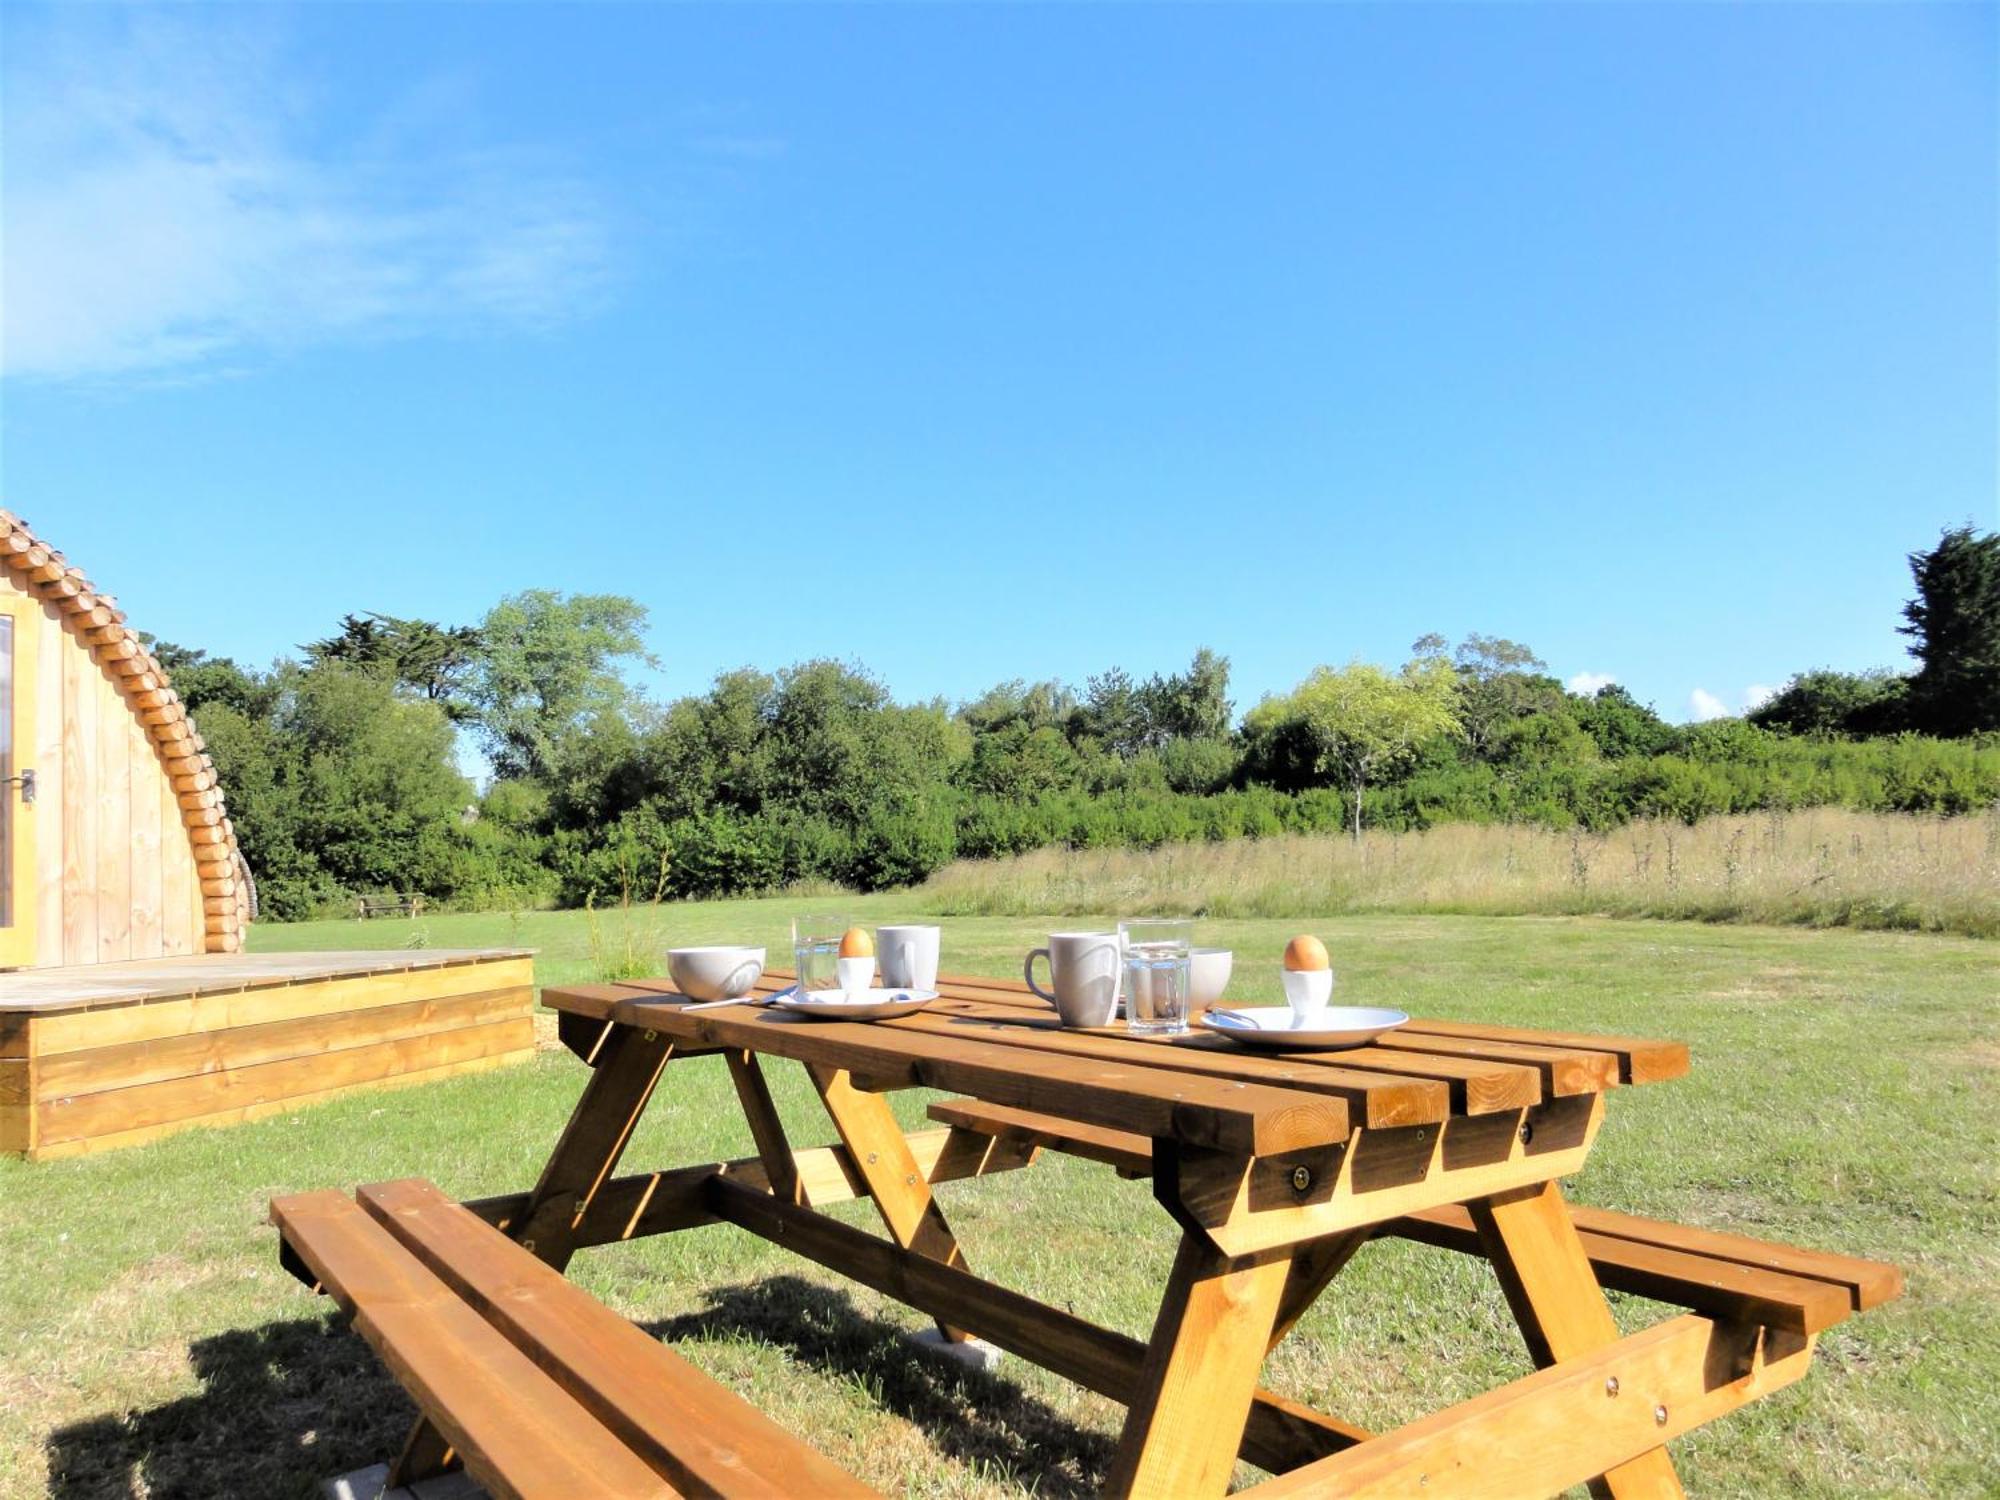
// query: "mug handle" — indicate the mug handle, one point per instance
point(1028, 972)
point(906, 962)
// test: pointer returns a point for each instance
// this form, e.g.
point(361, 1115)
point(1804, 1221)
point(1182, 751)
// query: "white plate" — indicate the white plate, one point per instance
point(856, 1005)
point(1276, 1026)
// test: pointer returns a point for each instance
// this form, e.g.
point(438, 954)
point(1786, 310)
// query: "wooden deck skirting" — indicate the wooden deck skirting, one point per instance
point(118, 1054)
point(96, 621)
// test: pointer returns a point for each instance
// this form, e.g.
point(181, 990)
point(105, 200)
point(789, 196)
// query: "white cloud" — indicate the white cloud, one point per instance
point(1702, 704)
point(1586, 683)
point(1756, 695)
point(174, 202)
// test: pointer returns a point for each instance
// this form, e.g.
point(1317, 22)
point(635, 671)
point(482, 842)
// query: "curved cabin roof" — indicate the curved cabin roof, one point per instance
point(187, 781)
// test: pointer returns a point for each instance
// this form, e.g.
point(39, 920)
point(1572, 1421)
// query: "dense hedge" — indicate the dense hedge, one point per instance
point(1732, 770)
point(343, 771)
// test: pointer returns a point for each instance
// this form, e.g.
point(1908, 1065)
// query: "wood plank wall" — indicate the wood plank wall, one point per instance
point(79, 1081)
point(116, 876)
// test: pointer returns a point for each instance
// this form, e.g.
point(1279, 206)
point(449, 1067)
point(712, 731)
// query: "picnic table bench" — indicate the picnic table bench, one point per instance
point(389, 905)
point(1276, 1169)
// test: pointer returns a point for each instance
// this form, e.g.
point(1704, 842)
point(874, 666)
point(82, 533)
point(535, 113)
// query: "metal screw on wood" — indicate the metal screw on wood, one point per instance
point(871, 1158)
point(1302, 1178)
point(652, 1036)
point(1527, 1131)
point(1659, 1416)
point(1611, 1386)
point(910, 1179)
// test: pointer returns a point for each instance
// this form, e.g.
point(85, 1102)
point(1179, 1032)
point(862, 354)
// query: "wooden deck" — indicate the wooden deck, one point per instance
point(115, 1054)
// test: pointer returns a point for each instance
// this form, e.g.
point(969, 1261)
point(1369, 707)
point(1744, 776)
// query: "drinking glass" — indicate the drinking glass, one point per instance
point(816, 952)
point(1156, 974)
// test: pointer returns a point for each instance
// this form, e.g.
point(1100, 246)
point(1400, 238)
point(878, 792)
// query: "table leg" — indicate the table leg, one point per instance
point(902, 1195)
point(426, 1454)
point(1314, 1265)
point(620, 1086)
point(1554, 1294)
point(766, 1129)
point(1200, 1374)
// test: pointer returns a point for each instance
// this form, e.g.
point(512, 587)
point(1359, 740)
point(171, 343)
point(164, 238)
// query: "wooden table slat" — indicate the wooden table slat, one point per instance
point(1641, 1059)
point(1419, 1074)
point(1378, 1100)
point(1476, 1084)
point(1006, 991)
point(1221, 1113)
point(1565, 1070)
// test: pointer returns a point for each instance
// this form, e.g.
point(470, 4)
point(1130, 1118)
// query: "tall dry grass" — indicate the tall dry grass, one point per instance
point(1824, 867)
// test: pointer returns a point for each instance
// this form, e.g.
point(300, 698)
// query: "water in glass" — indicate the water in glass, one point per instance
point(816, 952)
point(1156, 975)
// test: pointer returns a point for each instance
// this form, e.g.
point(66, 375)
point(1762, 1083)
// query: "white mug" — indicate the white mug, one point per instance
point(1083, 976)
point(909, 957)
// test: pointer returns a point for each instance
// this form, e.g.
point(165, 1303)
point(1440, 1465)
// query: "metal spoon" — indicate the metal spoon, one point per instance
point(744, 999)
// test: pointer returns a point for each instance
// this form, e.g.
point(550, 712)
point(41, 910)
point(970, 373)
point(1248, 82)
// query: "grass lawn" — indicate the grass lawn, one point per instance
point(1843, 1096)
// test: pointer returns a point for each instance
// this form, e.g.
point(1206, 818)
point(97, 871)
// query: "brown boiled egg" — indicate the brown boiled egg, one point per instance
point(1306, 952)
point(856, 943)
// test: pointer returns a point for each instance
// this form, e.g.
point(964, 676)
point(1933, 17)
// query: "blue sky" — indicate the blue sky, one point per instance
point(975, 343)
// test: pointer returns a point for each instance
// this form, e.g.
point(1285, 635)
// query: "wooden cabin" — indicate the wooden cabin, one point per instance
point(128, 1004)
point(114, 838)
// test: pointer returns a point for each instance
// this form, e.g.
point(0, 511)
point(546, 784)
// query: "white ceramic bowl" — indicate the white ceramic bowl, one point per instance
point(1208, 975)
point(715, 973)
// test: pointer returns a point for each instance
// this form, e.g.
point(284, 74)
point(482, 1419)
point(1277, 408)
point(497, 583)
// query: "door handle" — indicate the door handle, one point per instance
point(26, 781)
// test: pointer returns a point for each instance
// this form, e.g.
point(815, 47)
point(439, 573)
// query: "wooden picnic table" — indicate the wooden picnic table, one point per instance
point(1273, 1169)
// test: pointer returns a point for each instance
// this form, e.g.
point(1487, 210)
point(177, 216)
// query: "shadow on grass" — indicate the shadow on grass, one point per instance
point(284, 1406)
point(280, 1408)
point(977, 1418)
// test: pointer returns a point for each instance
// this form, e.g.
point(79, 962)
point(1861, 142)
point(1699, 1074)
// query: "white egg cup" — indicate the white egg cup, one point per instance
point(856, 974)
point(1307, 990)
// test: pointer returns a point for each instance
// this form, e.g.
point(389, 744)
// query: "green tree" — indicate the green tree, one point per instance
point(713, 751)
point(1543, 740)
point(1620, 723)
point(337, 785)
point(1830, 702)
point(837, 745)
point(203, 680)
point(1954, 621)
point(1019, 761)
point(1499, 681)
point(547, 668)
point(1113, 713)
point(1034, 705)
point(1190, 705)
point(431, 660)
point(380, 800)
point(1365, 723)
point(1126, 718)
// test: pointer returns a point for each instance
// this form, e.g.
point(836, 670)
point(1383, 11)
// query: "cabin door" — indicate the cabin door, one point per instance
point(20, 617)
